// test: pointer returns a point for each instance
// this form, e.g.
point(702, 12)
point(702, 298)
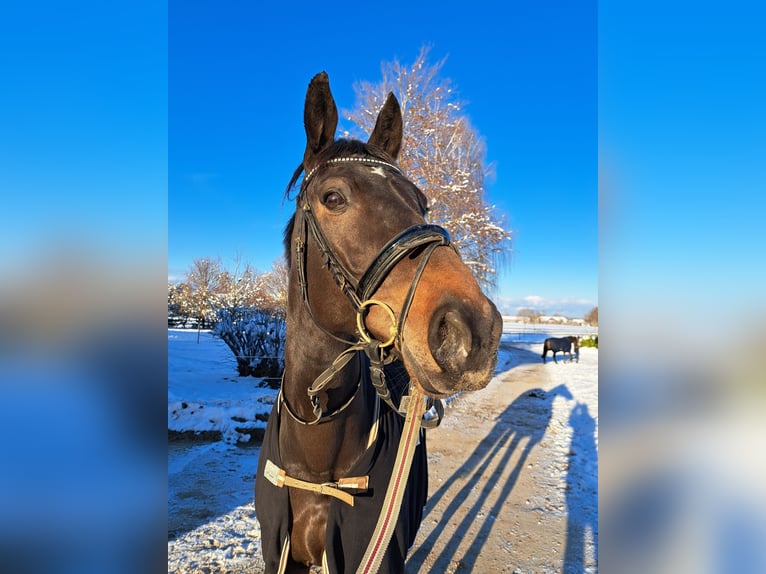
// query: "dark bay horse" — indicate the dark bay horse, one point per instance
point(563, 344)
point(371, 287)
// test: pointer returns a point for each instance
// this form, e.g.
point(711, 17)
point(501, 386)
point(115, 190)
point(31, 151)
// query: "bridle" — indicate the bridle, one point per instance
point(422, 237)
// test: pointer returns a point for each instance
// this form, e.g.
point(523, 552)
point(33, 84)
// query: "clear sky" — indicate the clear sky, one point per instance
point(170, 134)
point(152, 147)
point(682, 146)
point(83, 132)
point(237, 78)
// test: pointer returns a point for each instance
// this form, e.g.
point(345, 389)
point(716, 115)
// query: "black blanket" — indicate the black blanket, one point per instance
point(349, 529)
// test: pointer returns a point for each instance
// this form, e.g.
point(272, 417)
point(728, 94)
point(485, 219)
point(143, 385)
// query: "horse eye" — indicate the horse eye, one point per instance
point(333, 200)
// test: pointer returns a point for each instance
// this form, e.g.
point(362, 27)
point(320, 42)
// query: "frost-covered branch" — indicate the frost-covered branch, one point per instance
point(443, 155)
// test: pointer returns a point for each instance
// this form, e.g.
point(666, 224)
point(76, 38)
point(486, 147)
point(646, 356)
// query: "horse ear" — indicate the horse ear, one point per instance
point(320, 118)
point(387, 134)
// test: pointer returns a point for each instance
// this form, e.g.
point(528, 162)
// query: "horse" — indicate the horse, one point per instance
point(372, 288)
point(563, 344)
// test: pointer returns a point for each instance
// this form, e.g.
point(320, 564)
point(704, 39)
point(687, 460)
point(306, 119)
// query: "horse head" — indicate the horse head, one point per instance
point(366, 237)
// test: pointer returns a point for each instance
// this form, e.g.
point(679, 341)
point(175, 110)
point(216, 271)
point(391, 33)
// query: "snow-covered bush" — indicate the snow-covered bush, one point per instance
point(257, 339)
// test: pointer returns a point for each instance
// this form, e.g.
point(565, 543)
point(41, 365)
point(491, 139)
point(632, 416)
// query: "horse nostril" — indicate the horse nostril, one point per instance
point(450, 340)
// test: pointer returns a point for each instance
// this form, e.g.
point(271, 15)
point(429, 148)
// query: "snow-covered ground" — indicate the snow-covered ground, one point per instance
point(212, 525)
point(205, 394)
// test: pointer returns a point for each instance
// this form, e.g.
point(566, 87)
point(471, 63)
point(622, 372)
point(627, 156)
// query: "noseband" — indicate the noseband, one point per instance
point(424, 238)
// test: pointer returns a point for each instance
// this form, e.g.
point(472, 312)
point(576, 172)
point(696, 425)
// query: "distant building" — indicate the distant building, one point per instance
point(553, 320)
point(544, 320)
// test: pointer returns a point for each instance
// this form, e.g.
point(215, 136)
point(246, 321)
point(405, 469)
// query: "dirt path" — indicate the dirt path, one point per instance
point(512, 482)
point(496, 498)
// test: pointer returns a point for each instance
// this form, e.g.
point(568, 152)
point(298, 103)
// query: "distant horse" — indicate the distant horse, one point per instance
point(563, 344)
point(371, 287)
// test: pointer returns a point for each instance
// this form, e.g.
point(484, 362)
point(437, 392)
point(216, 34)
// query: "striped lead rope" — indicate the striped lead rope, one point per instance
point(392, 504)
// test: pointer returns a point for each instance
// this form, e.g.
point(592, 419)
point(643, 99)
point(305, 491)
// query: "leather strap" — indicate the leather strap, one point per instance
point(396, 249)
point(279, 478)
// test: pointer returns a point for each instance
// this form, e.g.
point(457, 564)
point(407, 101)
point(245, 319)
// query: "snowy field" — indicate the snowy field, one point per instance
point(211, 519)
point(205, 394)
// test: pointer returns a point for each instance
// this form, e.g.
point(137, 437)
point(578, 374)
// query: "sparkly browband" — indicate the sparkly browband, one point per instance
point(362, 160)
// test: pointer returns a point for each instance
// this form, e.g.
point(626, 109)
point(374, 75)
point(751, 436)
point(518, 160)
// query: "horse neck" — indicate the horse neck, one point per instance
point(311, 349)
point(328, 450)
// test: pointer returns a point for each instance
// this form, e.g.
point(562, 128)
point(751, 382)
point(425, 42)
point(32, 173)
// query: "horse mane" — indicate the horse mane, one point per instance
point(339, 148)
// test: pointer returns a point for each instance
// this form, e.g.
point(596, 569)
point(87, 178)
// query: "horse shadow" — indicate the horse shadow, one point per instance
point(527, 417)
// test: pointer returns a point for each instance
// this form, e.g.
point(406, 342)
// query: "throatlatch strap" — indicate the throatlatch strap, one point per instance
point(376, 356)
point(392, 504)
point(324, 379)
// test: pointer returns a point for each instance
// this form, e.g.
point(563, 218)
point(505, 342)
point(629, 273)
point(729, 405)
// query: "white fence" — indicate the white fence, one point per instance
point(538, 332)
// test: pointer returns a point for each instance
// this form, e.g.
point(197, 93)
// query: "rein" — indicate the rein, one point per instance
point(423, 237)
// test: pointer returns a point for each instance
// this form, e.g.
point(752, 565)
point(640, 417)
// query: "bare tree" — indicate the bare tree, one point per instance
point(179, 310)
point(443, 155)
point(205, 274)
point(209, 287)
point(246, 309)
point(275, 287)
point(531, 315)
point(239, 288)
point(591, 317)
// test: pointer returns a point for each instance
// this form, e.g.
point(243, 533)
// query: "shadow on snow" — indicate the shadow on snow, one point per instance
point(493, 454)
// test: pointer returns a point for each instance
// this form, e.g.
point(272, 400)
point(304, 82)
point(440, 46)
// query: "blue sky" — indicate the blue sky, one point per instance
point(237, 79)
point(682, 145)
point(83, 133)
point(149, 144)
point(94, 151)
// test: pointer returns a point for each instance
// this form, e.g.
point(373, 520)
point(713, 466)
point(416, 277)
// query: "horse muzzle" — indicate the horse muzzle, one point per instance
point(461, 345)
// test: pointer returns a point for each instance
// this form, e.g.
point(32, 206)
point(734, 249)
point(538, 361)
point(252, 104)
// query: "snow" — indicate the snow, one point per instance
point(205, 393)
point(572, 433)
point(212, 524)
